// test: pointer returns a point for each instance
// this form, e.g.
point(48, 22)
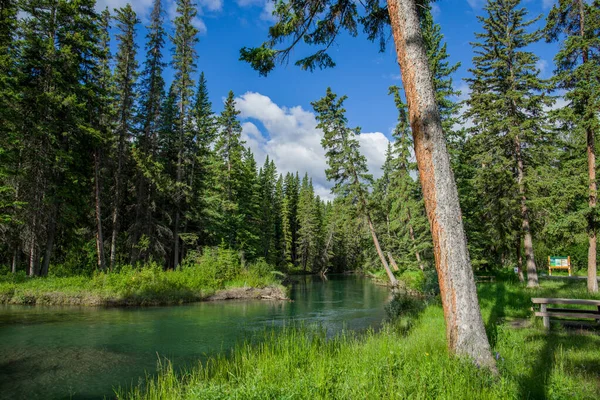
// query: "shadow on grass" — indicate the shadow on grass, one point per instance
point(497, 312)
point(537, 384)
point(403, 311)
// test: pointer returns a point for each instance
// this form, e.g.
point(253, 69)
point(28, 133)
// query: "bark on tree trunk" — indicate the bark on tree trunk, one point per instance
point(32, 258)
point(14, 260)
point(464, 326)
point(98, 211)
point(519, 259)
point(50, 241)
point(176, 241)
point(33, 247)
point(411, 232)
point(392, 261)
point(389, 272)
point(532, 277)
point(117, 203)
point(592, 281)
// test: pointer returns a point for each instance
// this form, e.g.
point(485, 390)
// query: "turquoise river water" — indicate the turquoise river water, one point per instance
point(85, 352)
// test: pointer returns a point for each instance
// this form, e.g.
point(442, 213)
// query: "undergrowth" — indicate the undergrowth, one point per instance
point(200, 275)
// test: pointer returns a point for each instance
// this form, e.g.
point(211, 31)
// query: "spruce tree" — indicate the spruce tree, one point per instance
point(125, 102)
point(247, 197)
point(202, 201)
point(307, 223)
point(577, 23)
point(507, 107)
point(267, 198)
point(184, 63)
point(408, 222)
point(229, 150)
point(9, 140)
point(347, 167)
point(147, 225)
point(99, 99)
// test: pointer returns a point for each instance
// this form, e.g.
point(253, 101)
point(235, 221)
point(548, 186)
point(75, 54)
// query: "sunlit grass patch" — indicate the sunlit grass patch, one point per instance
point(397, 362)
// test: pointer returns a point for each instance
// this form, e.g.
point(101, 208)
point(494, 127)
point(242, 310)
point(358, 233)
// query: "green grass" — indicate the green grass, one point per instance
point(198, 278)
point(404, 360)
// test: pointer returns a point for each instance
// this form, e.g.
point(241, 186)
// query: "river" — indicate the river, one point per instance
point(85, 352)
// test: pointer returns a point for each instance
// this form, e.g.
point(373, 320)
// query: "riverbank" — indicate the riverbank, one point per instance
point(211, 277)
point(408, 358)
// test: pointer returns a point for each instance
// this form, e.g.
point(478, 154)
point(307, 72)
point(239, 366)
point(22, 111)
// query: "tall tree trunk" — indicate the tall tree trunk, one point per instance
point(117, 202)
point(50, 240)
point(33, 247)
point(14, 260)
point(32, 257)
point(98, 212)
point(465, 331)
point(532, 277)
point(592, 281)
point(389, 272)
point(519, 258)
point(176, 241)
point(411, 233)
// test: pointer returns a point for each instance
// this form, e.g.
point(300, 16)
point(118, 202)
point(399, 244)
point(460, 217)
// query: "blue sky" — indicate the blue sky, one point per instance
point(276, 111)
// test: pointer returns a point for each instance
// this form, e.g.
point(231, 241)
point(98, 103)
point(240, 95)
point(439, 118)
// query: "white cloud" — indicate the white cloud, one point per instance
point(476, 4)
point(267, 12)
point(542, 65)
point(211, 5)
point(249, 3)
point(435, 10)
point(267, 8)
point(294, 142)
point(197, 22)
point(141, 7)
point(465, 93)
point(546, 4)
point(373, 146)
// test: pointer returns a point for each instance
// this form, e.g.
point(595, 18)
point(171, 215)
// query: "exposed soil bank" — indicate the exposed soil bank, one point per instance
point(245, 293)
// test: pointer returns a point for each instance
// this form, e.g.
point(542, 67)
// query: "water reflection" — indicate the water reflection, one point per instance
point(79, 353)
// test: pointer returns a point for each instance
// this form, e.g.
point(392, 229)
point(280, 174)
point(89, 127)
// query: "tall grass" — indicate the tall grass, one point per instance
point(397, 362)
point(199, 276)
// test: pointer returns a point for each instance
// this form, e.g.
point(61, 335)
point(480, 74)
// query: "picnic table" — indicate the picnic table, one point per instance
point(547, 312)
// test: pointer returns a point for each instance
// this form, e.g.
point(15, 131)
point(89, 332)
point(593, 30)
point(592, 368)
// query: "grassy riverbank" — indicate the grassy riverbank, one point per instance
point(217, 274)
point(406, 359)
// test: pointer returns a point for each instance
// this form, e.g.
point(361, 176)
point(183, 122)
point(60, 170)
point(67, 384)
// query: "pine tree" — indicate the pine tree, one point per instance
point(347, 167)
point(307, 223)
point(507, 106)
point(276, 256)
point(292, 191)
point(286, 235)
point(578, 73)
point(408, 223)
point(229, 150)
point(184, 63)
point(125, 101)
point(100, 111)
point(247, 196)
point(201, 204)
point(9, 140)
point(268, 202)
point(147, 226)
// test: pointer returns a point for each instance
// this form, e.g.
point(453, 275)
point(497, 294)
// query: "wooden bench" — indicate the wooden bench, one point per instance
point(546, 312)
point(485, 278)
point(558, 262)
